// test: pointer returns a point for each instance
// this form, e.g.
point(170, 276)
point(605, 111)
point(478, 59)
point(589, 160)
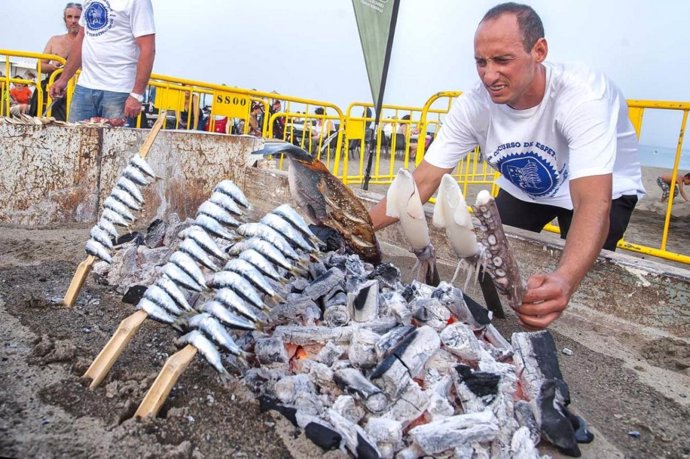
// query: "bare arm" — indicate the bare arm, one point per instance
point(147, 53)
point(427, 178)
point(73, 64)
point(46, 65)
point(681, 187)
point(548, 295)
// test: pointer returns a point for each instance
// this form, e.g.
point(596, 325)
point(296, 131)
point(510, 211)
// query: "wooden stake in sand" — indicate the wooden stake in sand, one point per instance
point(110, 353)
point(166, 380)
point(84, 267)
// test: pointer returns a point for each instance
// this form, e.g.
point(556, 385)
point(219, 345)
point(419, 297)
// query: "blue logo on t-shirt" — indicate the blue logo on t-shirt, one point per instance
point(529, 172)
point(97, 17)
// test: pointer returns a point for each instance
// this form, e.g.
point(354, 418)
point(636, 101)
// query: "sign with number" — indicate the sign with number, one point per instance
point(231, 104)
point(170, 99)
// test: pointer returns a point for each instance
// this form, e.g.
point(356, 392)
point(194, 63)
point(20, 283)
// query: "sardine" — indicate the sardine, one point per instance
point(241, 286)
point(130, 187)
point(107, 226)
point(98, 250)
point(228, 187)
point(287, 213)
point(173, 292)
point(189, 266)
point(269, 251)
point(269, 235)
point(141, 164)
point(207, 349)
point(226, 202)
point(199, 235)
point(253, 275)
point(155, 311)
point(214, 329)
point(198, 254)
point(212, 226)
point(229, 298)
point(262, 264)
point(114, 218)
point(116, 206)
point(135, 175)
point(159, 296)
point(220, 312)
point(403, 202)
point(288, 232)
point(180, 277)
point(217, 213)
point(102, 237)
point(125, 198)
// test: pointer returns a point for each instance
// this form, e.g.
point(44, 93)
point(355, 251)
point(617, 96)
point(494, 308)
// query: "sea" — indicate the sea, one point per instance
point(656, 156)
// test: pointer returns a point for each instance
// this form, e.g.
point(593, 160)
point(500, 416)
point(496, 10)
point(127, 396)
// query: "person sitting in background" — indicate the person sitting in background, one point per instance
point(20, 96)
point(322, 128)
point(278, 122)
point(59, 45)
point(664, 182)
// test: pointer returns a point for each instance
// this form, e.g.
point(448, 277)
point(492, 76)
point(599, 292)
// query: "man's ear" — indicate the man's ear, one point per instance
point(540, 50)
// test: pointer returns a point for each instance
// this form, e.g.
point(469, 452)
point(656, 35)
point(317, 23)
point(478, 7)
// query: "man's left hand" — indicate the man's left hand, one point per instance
point(544, 301)
point(132, 107)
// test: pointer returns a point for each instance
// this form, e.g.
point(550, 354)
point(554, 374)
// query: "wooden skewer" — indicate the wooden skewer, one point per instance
point(85, 266)
point(112, 350)
point(166, 380)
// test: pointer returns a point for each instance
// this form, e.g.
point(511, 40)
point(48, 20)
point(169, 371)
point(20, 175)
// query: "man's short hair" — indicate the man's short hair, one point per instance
point(529, 21)
point(687, 176)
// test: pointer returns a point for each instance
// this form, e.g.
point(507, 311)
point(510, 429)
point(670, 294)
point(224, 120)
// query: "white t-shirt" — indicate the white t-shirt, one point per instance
point(109, 52)
point(581, 128)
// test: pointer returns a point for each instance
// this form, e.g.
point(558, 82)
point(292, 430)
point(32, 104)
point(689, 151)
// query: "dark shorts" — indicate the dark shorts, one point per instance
point(533, 217)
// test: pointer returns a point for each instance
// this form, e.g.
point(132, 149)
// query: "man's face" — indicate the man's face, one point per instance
point(506, 69)
point(72, 16)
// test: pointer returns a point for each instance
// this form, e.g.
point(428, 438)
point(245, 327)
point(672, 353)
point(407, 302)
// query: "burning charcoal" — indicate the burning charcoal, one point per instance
point(319, 374)
point(296, 307)
point(522, 444)
point(267, 403)
point(297, 286)
point(323, 435)
point(155, 234)
point(356, 439)
point(391, 376)
point(271, 351)
point(313, 334)
point(462, 306)
point(317, 269)
point(286, 389)
point(362, 351)
point(134, 294)
point(536, 360)
point(416, 349)
point(394, 304)
point(441, 364)
point(460, 340)
point(525, 418)
point(414, 452)
point(381, 325)
point(308, 403)
point(355, 267)
point(415, 290)
point(476, 389)
point(354, 382)
point(386, 433)
point(496, 345)
point(389, 341)
point(364, 301)
point(331, 239)
point(463, 429)
point(431, 312)
point(347, 407)
point(324, 284)
point(263, 378)
point(413, 402)
point(329, 354)
point(174, 227)
point(336, 312)
point(387, 274)
point(134, 237)
point(439, 407)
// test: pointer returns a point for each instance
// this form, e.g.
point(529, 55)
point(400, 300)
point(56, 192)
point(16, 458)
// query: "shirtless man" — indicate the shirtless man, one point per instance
point(58, 45)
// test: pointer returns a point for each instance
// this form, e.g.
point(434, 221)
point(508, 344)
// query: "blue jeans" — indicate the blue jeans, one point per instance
point(87, 103)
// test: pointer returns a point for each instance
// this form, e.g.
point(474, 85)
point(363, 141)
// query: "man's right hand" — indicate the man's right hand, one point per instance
point(57, 90)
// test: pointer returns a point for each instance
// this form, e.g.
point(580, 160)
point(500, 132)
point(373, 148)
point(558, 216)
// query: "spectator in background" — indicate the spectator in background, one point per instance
point(664, 182)
point(59, 45)
point(115, 48)
point(278, 121)
point(20, 96)
point(254, 119)
point(192, 116)
point(323, 126)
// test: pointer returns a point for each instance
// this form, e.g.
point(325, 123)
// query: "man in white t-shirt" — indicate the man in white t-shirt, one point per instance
point(562, 140)
point(115, 48)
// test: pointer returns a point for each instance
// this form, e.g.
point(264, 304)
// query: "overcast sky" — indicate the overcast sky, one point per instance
point(310, 48)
